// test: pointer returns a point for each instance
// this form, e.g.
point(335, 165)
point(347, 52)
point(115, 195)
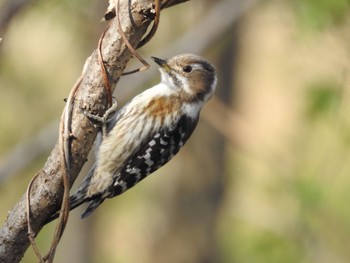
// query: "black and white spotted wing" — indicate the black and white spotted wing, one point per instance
point(153, 154)
point(156, 151)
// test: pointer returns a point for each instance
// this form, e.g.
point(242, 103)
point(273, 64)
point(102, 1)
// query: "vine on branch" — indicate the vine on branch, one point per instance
point(66, 135)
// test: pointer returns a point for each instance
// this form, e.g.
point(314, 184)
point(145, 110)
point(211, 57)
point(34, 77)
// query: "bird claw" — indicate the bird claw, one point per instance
point(103, 120)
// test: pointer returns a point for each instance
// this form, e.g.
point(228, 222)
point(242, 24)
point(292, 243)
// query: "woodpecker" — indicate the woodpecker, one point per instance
point(149, 130)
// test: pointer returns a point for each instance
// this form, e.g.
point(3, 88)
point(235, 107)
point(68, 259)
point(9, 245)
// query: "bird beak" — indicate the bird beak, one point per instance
point(162, 63)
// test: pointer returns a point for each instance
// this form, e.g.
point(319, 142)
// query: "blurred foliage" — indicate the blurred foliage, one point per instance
point(287, 185)
point(323, 99)
point(291, 193)
point(309, 192)
point(318, 14)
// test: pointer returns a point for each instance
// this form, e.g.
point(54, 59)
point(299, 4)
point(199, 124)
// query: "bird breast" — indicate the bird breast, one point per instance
point(139, 120)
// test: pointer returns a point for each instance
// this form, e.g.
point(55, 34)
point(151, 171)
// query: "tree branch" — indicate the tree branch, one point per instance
point(47, 190)
point(220, 18)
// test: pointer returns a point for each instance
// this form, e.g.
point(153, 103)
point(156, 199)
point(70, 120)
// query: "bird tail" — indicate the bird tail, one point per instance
point(92, 206)
point(78, 197)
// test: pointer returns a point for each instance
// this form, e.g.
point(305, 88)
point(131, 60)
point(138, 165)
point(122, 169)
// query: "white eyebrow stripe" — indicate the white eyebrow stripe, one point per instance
point(196, 66)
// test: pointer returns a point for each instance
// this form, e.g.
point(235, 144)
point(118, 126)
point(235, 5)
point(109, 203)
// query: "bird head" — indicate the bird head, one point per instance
point(193, 75)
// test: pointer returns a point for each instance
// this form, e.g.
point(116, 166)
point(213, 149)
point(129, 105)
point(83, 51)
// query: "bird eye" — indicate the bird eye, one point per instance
point(187, 69)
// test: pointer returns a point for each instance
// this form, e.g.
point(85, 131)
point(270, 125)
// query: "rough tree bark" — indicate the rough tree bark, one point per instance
point(47, 189)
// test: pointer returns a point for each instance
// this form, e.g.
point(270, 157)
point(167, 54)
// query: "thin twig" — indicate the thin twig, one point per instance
point(31, 234)
point(15, 226)
point(65, 125)
point(64, 141)
point(154, 28)
point(103, 68)
point(127, 43)
point(16, 161)
point(170, 3)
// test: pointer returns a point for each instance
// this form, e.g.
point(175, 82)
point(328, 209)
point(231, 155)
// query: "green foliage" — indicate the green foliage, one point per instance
point(323, 99)
point(286, 197)
point(308, 191)
point(320, 13)
point(248, 243)
point(270, 248)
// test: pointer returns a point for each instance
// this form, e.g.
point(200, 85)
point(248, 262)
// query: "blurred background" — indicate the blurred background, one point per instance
point(266, 175)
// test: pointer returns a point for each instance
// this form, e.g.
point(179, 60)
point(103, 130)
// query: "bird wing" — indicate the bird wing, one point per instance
point(153, 153)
